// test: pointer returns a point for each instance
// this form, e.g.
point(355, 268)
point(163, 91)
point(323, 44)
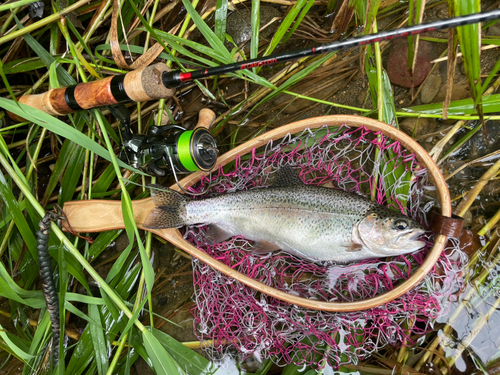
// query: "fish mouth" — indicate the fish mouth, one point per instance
point(410, 239)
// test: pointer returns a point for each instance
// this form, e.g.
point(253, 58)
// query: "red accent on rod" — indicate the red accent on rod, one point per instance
point(185, 76)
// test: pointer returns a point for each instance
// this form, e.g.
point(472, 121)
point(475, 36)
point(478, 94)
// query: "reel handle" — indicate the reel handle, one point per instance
point(206, 118)
point(139, 86)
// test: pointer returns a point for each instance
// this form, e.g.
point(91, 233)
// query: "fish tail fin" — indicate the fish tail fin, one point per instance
point(170, 210)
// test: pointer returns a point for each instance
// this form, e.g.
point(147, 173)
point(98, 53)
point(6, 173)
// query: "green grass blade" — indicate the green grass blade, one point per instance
point(220, 19)
point(99, 341)
point(255, 23)
point(58, 127)
point(22, 225)
point(14, 348)
point(188, 359)
point(209, 35)
point(72, 176)
point(137, 312)
point(36, 345)
point(287, 22)
point(491, 104)
point(63, 76)
point(470, 46)
point(23, 65)
point(415, 14)
point(490, 77)
point(83, 354)
point(82, 298)
point(162, 361)
point(101, 242)
point(177, 43)
point(303, 13)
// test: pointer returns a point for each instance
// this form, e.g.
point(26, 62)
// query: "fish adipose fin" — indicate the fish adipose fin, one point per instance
point(216, 234)
point(170, 210)
point(286, 176)
point(264, 247)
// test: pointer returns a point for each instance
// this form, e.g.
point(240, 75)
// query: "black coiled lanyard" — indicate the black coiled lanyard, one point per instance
point(45, 270)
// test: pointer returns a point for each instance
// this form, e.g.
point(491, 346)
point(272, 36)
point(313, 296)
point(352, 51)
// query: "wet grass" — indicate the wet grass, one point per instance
point(114, 324)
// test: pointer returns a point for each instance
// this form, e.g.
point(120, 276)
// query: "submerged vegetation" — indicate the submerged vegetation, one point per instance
point(125, 298)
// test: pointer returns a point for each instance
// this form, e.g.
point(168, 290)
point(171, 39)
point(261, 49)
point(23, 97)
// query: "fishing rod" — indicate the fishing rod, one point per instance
point(173, 149)
point(174, 78)
point(158, 82)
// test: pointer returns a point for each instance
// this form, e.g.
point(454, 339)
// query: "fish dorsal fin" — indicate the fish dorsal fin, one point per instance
point(286, 176)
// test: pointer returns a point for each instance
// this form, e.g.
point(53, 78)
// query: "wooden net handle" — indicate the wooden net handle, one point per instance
point(98, 215)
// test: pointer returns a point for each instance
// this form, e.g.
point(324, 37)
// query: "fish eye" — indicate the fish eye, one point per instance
point(401, 224)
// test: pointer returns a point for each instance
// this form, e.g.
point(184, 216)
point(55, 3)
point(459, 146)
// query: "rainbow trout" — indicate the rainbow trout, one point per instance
point(311, 222)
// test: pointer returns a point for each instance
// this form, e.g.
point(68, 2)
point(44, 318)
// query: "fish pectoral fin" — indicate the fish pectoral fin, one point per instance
point(263, 247)
point(216, 234)
point(353, 248)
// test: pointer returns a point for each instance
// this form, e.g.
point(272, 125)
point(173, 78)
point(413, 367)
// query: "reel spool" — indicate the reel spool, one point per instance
point(171, 149)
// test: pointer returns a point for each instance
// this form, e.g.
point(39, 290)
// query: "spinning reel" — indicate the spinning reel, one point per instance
point(169, 149)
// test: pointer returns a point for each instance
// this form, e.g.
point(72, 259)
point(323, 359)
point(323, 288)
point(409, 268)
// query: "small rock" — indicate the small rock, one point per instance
point(162, 300)
point(142, 367)
point(443, 13)
point(460, 91)
point(362, 96)
point(423, 125)
point(494, 30)
point(397, 65)
point(239, 23)
point(121, 242)
point(430, 88)
point(479, 147)
point(462, 67)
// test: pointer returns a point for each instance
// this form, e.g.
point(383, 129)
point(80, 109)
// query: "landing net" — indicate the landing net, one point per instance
point(243, 322)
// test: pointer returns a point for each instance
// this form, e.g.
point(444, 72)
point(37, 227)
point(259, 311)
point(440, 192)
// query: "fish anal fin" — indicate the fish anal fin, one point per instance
point(286, 176)
point(164, 217)
point(353, 248)
point(216, 234)
point(264, 247)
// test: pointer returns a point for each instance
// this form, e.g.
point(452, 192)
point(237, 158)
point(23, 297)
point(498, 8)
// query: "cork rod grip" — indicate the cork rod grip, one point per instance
point(206, 118)
point(139, 86)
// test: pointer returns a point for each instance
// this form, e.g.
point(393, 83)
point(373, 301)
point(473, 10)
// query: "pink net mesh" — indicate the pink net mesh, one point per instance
point(243, 322)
